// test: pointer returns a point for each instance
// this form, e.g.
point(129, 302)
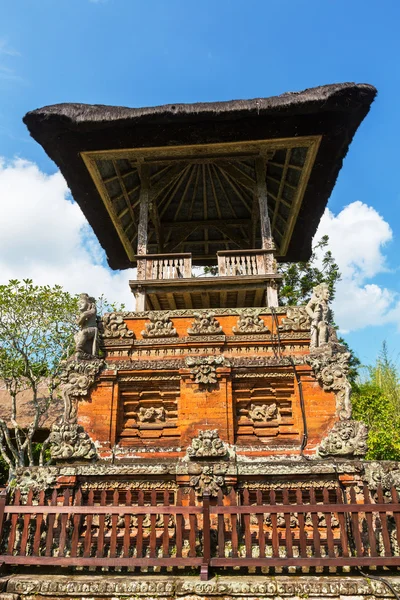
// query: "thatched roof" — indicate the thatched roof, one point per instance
point(25, 409)
point(108, 191)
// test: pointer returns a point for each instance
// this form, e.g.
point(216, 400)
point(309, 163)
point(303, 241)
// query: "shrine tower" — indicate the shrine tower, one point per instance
point(207, 426)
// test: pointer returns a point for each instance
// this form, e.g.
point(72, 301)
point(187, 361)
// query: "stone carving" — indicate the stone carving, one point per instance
point(207, 445)
point(250, 322)
point(35, 478)
point(205, 324)
point(204, 368)
point(346, 438)
point(68, 440)
point(86, 339)
point(385, 474)
point(331, 365)
point(207, 479)
point(160, 326)
point(189, 312)
point(296, 319)
point(151, 414)
point(320, 315)
point(265, 412)
point(114, 326)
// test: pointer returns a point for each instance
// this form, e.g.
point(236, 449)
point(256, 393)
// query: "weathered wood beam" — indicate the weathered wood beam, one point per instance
point(240, 176)
point(208, 223)
point(166, 180)
point(155, 218)
point(180, 238)
point(236, 239)
point(261, 192)
point(143, 217)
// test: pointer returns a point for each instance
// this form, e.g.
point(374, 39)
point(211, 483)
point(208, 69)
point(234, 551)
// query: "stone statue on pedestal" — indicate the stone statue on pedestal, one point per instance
point(320, 314)
point(86, 340)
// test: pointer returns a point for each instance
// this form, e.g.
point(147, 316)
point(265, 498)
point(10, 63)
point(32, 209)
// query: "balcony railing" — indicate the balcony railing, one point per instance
point(245, 262)
point(164, 266)
point(276, 528)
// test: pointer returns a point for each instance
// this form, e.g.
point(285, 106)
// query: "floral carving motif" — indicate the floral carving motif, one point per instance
point(385, 474)
point(346, 438)
point(204, 368)
point(151, 414)
point(207, 445)
point(35, 478)
point(205, 323)
point(331, 365)
point(296, 319)
point(209, 479)
point(265, 412)
point(70, 441)
point(114, 326)
point(160, 326)
point(250, 322)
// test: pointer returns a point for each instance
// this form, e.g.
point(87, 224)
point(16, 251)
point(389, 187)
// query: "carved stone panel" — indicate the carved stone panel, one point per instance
point(160, 326)
point(250, 322)
point(205, 324)
point(346, 438)
point(207, 445)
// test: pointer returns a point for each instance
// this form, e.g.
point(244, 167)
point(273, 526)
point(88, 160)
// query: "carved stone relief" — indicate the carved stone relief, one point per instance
point(207, 479)
point(250, 322)
point(346, 438)
point(151, 414)
point(205, 324)
point(320, 315)
point(160, 326)
point(265, 412)
point(207, 445)
point(203, 369)
point(114, 326)
point(296, 319)
point(87, 338)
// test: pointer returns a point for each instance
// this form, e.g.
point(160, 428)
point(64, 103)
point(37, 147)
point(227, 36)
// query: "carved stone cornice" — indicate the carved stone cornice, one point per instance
point(250, 322)
point(160, 326)
point(205, 324)
point(112, 325)
point(206, 339)
point(345, 439)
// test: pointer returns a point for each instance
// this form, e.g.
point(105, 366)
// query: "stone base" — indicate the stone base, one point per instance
point(132, 587)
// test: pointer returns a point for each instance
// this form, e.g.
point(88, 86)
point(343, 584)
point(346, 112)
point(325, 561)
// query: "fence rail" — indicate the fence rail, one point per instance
point(253, 528)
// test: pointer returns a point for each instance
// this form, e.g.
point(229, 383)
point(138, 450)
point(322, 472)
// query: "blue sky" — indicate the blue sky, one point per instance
point(132, 53)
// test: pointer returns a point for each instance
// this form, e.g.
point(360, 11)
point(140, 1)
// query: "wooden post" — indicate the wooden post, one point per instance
point(206, 538)
point(261, 191)
point(3, 502)
point(272, 294)
point(143, 216)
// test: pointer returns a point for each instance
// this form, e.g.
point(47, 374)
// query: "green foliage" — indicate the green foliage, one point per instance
point(376, 401)
point(300, 278)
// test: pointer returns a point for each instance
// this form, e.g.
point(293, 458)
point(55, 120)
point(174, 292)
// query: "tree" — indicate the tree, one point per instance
point(376, 400)
point(37, 326)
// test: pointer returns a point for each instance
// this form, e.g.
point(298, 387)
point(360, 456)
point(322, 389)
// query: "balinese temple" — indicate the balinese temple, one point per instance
point(207, 447)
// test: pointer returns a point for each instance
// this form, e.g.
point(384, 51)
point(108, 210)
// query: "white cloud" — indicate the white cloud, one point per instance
point(44, 236)
point(357, 237)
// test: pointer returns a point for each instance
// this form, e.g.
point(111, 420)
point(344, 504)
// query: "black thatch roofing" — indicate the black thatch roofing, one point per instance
point(333, 111)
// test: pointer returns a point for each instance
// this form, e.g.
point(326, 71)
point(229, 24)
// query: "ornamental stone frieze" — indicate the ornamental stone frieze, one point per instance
point(346, 438)
point(331, 366)
point(160, 326)
point(207, 445)
point(113, 326)
point(250, 322)
point(205, 324)
point(296, 319)
point(203, 369)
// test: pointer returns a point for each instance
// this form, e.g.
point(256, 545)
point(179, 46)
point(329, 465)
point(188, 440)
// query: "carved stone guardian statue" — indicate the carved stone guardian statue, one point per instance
point(86, 339)
point(320, 314)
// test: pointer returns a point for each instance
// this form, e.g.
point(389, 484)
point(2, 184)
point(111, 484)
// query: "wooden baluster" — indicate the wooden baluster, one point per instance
point(253, 265)
point(127, 524)
point(247, 262)
point(260, 519)
point(342, 517)
point(14, 521)
point(206, 538)
point(274, 521)
point(222, 266)
point(187, 262)
point(114, 524)
point(302, 532)
point(179, 526)
point(396, 513)
point(221, 527)
point(87, 543)
point(246, 523)
point(50, 525)
point(38, 523)
point(25, 530)
point(153, 525)
point(288, 532)
point(370, 524)
point(384, 525)
point(76, 526)
point(192, 525)
point(234, 524)
point(356, 524)
point(64, 521)
point(101, 532)
point(314, 519)
point(148, 268)
point(139, 537)
point(328, 521)
point(166, 530)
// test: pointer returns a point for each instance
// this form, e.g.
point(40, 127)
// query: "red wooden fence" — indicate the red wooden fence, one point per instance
point(136, 529)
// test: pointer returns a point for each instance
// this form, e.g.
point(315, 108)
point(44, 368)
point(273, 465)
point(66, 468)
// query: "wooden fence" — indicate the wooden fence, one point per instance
point(139, 529)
